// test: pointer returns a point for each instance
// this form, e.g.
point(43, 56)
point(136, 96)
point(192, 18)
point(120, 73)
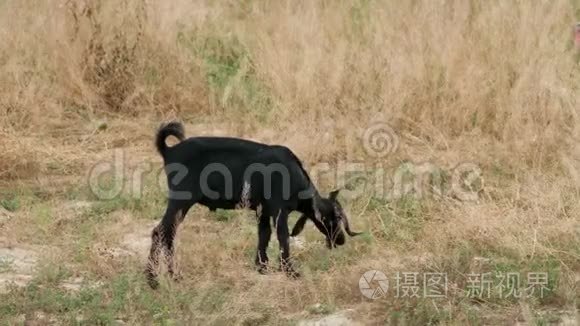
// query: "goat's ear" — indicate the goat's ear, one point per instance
point(299, 226)
point(333, 194)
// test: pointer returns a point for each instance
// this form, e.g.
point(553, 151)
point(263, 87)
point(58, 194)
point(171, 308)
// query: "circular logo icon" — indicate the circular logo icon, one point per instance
point(379, 140)
point(373, 284)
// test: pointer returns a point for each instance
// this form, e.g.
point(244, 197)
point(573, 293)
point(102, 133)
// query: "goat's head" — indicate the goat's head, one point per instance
point(330, 219)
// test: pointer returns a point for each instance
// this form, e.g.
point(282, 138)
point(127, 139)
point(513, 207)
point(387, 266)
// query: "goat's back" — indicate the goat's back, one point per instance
point(238, 159)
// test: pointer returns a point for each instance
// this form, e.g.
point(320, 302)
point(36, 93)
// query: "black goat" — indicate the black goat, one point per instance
point(230, 173)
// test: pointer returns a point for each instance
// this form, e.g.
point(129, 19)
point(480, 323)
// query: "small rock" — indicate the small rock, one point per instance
point(40, 318)
point(40, 315)
point(18, 259)
point(337, 319)
point(139, 241)
point(75, 284)
point(13, 279)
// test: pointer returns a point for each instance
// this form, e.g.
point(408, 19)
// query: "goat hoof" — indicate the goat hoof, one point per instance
point(177, 277)
point(263, 269)
point(153, 283)
point(291, 273)
point(151, 280)
point(262, 265)
point(289, 270)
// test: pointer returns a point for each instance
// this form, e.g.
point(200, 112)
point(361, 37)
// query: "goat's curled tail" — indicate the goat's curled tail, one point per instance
point(165, 130)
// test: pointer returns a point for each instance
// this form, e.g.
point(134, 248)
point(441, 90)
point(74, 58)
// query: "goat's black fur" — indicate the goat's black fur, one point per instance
point(170, 129)
point(268, 193)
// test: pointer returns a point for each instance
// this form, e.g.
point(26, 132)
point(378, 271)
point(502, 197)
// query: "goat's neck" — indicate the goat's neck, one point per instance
point(307, 205)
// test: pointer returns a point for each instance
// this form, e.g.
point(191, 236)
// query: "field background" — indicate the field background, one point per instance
point(495, 83)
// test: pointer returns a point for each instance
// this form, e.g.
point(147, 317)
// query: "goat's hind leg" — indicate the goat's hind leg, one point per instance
point(170, 244)
point(162, 238)
point(153, 261)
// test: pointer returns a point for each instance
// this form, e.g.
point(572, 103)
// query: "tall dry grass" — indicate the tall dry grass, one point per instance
point(501, 73)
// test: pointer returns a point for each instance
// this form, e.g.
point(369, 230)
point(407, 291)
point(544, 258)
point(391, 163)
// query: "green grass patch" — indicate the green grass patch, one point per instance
point(229, 72)
point(322, 309)
point(11, 203)
point(51, 275)
point(125, 297)
point(360, 16)
point(401, 220)
point(42, 215)
point(222, 215)
point(19, 197)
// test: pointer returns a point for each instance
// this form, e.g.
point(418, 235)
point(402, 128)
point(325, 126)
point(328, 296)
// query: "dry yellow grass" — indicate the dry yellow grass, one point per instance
point(493, 83)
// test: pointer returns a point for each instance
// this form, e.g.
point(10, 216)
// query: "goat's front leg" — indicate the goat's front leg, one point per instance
point(281, 223)
point(264, 233)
